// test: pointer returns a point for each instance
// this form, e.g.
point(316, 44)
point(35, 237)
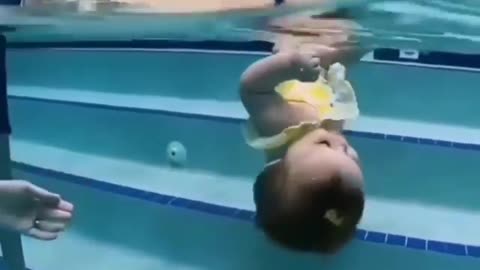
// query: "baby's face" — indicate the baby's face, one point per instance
point(321, 155)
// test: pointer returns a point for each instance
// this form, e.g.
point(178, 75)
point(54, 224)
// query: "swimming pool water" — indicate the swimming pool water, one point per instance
point(63, 125)
point(143, 79)
point(117, 232)
point(423, 24)
point(403, 185)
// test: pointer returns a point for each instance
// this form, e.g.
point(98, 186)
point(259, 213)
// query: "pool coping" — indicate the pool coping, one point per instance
point(455, 249)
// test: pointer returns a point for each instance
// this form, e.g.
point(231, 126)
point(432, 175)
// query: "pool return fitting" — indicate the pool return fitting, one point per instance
point(176, 154)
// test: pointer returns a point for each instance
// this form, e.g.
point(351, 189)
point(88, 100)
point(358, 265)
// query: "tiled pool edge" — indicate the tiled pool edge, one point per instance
point(440, 247)
point(353, 133)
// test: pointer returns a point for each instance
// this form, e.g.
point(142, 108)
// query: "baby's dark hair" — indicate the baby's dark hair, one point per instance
point(319, 218)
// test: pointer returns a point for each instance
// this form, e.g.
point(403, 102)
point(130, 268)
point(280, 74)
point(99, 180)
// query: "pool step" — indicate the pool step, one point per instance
point(397, 167)
point(133, 234)
point(385, 89)
point(232, 111)
point(410, 218)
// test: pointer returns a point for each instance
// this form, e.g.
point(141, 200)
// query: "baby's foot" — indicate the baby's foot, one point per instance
point(32, 211)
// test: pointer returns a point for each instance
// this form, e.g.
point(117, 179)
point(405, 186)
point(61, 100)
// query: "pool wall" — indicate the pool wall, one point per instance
point(393, 91)
point(128, 133)
point(397, 170)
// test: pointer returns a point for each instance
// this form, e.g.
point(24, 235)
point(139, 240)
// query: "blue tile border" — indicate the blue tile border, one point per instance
point(246, 215)
point(358, 134)
point(473, 251)
point(246, 46)
point(396, 240)
point(375, 237)
point(448, 247)
point(416, 243)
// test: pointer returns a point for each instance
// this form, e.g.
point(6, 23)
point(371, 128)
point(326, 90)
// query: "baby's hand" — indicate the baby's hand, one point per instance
point(311, 59)
point(306, 66)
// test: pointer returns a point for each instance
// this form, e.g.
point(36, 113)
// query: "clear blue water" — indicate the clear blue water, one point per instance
point(109, 115)
point(116, 232)
point(115, 126)
point(427, 24)
point(437, 95)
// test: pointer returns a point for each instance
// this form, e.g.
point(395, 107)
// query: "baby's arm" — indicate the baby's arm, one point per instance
point(268, 111)
point(262, 76)
point(258, 82)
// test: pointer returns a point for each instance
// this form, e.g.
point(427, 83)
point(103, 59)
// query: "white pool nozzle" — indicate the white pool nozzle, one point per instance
point(176, 154)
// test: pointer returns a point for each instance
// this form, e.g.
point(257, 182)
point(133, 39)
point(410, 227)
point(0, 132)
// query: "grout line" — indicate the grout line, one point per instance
point(230, 119)
point(455, 249)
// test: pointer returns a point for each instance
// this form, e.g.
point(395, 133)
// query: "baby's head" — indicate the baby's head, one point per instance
point(312, 199)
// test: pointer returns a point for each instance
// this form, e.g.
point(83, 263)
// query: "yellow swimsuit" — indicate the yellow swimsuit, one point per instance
point(333, 98)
